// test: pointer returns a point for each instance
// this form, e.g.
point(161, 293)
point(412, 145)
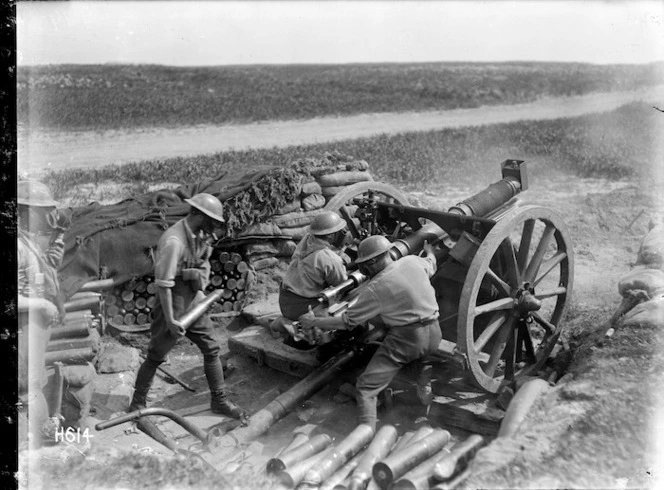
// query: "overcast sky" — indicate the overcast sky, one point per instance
point(246, 32)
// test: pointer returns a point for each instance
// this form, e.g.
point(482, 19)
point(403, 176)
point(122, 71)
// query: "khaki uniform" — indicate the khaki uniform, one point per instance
point(402, 297)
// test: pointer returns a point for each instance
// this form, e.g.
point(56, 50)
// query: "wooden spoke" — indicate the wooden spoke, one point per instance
point(538, 256)
point(496, 322)
point(501, 285)
point(551, 293)
point(499, 304)
point(524, 246)
point(513, 271)
point(499, 347)
point(549, 265)
point(345, 214)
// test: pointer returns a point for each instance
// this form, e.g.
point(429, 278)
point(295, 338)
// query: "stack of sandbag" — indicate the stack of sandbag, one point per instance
point(642, 288)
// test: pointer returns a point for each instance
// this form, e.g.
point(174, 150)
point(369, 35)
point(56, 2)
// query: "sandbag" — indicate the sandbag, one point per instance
point(343, 178)
point(650, 281)
point(310, 188)
point(296, 233)
point(252, 259)
point(290, 207)
point(649, 314)
point(76, 404)
point(78, 376)
point(266, 247)
point(265, 263)
point(261, 229)
point(651, 252)
point(332, 191)
point(292, 220)
point(285, 248)
point(313, 201)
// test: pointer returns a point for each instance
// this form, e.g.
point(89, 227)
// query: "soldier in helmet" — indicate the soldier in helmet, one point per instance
point(40, 249)
point(400, 294)
point(316, 264)
point(182, 271)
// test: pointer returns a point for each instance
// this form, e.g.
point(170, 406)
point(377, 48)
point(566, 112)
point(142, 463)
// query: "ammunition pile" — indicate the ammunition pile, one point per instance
point(132, 303)
point(417, 460)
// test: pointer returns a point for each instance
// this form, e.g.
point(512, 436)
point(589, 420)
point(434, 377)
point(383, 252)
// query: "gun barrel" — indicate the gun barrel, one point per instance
point(328, 296)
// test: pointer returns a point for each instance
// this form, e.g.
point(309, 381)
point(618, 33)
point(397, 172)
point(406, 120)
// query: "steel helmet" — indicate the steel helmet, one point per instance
point(372, 247)
point(325, 223)
point(209, 205)
point(34, 193)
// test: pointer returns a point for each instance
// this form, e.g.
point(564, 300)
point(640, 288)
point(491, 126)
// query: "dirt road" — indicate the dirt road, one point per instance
point(38, 151)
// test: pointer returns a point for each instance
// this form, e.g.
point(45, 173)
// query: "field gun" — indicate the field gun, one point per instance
point(505, 270)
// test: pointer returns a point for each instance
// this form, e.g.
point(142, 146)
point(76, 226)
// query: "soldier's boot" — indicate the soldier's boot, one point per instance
point(144, 379)
point(220, 404)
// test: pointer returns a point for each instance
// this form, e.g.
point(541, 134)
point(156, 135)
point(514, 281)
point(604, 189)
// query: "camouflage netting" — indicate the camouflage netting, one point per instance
point(118, 241)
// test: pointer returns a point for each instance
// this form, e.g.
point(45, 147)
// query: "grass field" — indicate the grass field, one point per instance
point(613, 145)
point(99, 97)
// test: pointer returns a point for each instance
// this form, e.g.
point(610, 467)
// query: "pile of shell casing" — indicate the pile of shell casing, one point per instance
point(131, 303)
point(420, 459)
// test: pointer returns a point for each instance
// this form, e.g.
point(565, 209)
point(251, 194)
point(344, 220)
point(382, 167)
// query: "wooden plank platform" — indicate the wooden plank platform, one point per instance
point(257, 342)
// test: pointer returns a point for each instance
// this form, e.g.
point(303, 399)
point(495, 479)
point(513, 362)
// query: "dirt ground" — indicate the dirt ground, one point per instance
point(562, 444)
point(44, 150)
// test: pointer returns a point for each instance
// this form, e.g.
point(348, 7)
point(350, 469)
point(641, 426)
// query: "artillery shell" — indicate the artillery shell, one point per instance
point(216, 280)
point(239, 295)
point(129, 319)
point(129, 285)
point(72, 356)
point(395, 465)
point(307, 449)
point(110, 300)
point(224, 257)
point(377, 450)
point(422, 475)
point(111, 311)
point(70, 330)
point(338, 456)
point(240, 283)
point(129, 306)
point(292, 476)
point(152, 301)
point(151, 288)
point(231, 284)
point(459, 456)
point(141, 319)
point(242, 267)
point(338, 477)
point(118, 319)
point(298, 439)
point(229, 266)
point(215, 265)
point(141, 303)
point(227, 306)
point(227, 294)
point(236, 258)
point(127, 295)
point(237, 306)
point(141, 287)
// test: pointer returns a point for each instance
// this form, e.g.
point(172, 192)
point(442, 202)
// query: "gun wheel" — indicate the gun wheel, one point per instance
point(514, 296)
point(352, 204)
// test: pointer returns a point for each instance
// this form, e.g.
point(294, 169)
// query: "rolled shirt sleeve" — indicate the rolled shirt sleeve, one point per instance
point(168, 259)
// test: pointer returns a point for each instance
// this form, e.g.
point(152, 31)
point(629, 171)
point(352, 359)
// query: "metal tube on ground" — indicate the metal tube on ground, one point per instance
point(71, 356)
point(379, 448)
point(291, 477)
point(298, 439)
point(422, 475)
point(174, 416)
point(520, 406)
point(313, 446)
point(278, 408)
point(69, 331)
point(336, 480)
point(74, 315)
point(387, 471)
point(458, 458)
point(91, 342)
point(340, 454)
point(454, 482)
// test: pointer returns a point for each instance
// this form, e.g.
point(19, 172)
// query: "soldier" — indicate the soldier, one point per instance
point(182, 271)
point(401, 296)
point(40, 249)
point(316, 264)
